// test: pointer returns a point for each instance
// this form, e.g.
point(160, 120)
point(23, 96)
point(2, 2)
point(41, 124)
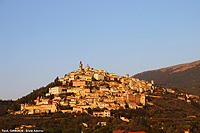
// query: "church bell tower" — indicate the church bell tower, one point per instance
point(80, 66)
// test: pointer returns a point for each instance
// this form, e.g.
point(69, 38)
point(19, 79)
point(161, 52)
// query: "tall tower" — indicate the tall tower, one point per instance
point(143, 99)
point(152, 82)
point(80, 65)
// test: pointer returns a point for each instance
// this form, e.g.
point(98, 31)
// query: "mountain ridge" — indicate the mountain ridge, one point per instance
point(185, 76)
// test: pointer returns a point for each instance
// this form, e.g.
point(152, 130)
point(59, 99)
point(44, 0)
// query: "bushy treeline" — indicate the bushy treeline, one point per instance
point(4, 104)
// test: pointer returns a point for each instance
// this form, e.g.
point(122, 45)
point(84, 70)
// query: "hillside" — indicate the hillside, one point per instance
point(93, 101)
point(185, 76)
point(164, 112)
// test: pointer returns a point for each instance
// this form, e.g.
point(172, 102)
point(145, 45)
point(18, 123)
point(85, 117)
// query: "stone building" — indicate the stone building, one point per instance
point(79, 83)
point(98, 76)
point(56, 90)
point(48, 107)
point(105, 113)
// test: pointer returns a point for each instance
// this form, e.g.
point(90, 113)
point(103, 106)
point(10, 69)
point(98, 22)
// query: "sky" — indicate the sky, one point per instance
point(40, 40)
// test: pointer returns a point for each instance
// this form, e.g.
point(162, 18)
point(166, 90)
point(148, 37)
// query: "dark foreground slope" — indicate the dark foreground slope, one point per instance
point(186, 76)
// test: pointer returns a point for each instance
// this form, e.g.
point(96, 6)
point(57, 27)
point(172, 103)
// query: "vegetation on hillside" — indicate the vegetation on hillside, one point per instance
point(166, 114)
point(149, 119)
point(4, 104)
point(33, 95)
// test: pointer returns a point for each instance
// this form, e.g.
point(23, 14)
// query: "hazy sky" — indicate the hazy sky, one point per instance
point(40, 40)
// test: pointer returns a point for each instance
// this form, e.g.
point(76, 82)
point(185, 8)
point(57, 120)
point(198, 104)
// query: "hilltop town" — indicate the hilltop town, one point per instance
point(89, 88)
point(89, 99)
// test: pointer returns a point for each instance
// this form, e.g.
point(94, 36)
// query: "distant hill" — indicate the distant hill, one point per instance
point(185, 76)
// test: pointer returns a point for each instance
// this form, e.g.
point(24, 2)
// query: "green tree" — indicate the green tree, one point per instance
point(56, 80)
